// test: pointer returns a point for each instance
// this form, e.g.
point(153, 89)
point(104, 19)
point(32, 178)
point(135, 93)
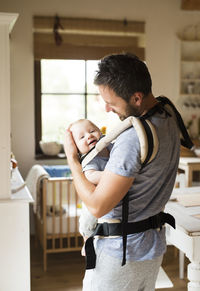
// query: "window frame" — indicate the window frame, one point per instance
point(38, 115)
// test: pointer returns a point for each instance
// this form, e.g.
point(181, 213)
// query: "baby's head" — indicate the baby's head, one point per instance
point(85, 134)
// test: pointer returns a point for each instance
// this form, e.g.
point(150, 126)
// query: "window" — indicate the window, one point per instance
point(67, 93)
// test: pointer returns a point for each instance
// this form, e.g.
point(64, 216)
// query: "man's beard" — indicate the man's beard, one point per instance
point(129, 111)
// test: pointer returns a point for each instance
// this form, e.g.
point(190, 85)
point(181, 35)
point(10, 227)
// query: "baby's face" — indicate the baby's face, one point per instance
point(85, 135)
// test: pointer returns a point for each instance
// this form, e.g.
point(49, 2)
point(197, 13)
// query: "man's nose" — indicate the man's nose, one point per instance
point(108, 108)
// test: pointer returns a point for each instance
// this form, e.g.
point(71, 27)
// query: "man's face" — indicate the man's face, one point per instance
point(116, 104)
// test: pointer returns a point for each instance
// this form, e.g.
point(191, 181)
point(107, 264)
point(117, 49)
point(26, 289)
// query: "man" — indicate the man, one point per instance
point(125, 85)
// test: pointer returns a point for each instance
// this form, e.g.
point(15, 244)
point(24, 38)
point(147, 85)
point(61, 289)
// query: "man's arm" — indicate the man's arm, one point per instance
point(107, 194)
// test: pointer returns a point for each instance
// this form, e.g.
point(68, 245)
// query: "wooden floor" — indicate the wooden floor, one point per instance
point(65, 271)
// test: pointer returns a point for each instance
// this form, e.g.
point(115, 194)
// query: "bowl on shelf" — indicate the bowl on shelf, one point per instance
point(197, 152)
point(51, 148)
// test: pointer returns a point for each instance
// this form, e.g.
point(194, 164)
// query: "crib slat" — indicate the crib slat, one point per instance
point(61, 213)
point(53, 214)
point(68, 214)
point(44, 193)
point(76, 218)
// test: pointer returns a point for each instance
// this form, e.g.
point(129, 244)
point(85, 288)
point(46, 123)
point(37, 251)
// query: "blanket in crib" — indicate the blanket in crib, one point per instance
point(33, 182)
point(58, 170)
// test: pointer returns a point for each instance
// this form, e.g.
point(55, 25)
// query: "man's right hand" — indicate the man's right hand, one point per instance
point(70, 148)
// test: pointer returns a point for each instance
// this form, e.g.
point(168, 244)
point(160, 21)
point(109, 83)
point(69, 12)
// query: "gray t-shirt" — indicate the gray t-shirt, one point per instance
point(151, 188)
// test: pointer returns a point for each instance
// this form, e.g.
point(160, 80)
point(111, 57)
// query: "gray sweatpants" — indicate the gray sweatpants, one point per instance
point(109, 275)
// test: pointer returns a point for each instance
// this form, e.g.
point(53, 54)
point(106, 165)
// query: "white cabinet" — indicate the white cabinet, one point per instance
point(7, 21)
point(14, 208)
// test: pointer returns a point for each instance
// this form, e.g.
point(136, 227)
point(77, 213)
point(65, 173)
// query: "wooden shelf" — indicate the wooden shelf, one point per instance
point(190, 80)
point(189, 95)
point(190, 61)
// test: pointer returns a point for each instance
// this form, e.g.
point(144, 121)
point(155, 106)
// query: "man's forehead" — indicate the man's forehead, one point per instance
point(107, 94)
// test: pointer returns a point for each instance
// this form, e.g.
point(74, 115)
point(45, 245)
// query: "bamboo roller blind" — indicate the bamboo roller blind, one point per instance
point(190, 5)
point(87, 38)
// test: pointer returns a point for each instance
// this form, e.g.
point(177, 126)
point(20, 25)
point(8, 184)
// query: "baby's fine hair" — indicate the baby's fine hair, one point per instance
point(81, 120)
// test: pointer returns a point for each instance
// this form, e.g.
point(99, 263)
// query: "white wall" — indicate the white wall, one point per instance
point(164, 18)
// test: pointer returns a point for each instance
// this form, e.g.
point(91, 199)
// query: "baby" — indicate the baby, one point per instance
point(86, 134)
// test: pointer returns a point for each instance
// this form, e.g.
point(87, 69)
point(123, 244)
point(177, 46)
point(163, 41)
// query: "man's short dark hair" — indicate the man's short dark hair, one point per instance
point(125, 74)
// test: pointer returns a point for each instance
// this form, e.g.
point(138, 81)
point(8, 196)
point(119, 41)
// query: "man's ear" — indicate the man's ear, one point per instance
point(136, 99)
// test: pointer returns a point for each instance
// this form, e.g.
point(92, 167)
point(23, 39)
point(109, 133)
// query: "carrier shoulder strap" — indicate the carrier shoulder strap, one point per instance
point(145, 131)
point(125, 211)
point(185, 140)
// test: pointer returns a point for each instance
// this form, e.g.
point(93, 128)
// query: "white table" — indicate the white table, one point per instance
point(189, 165)
point(186, 236)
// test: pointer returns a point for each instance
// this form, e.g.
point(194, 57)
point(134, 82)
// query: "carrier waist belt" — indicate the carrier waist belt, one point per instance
point(117, 229)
